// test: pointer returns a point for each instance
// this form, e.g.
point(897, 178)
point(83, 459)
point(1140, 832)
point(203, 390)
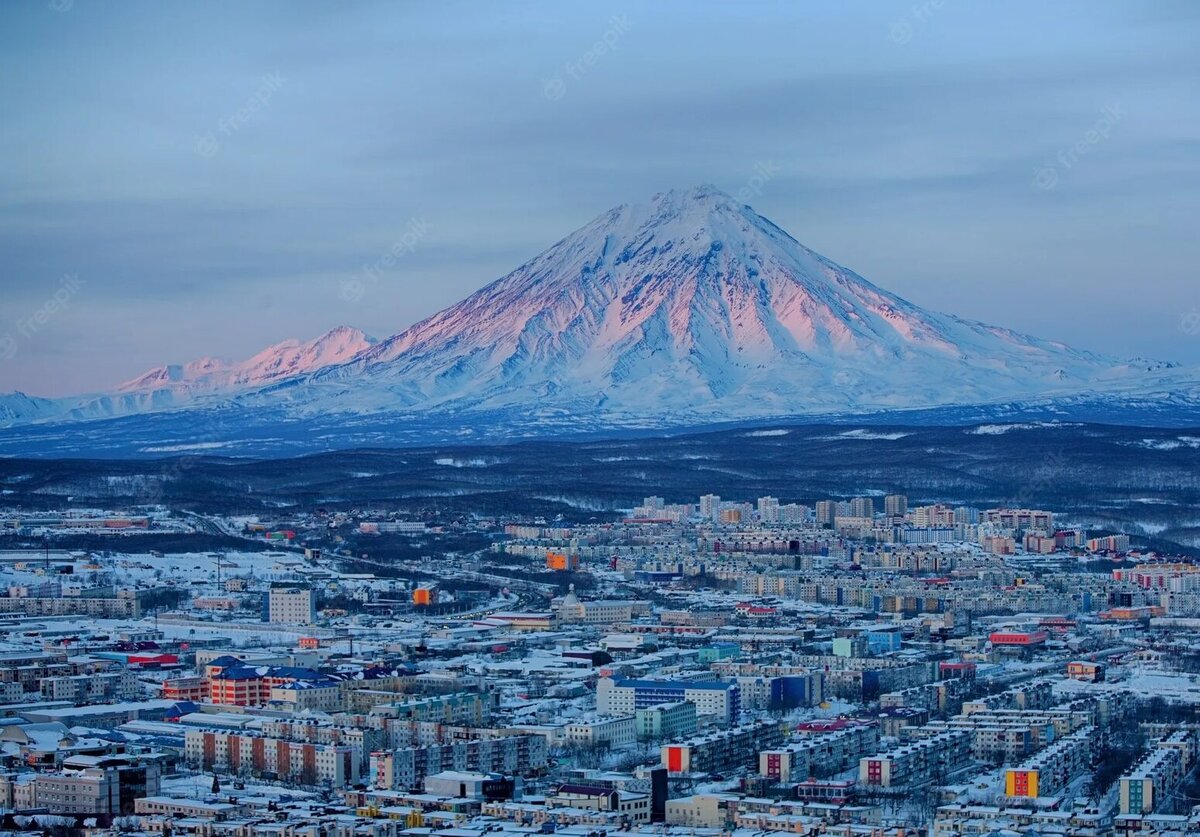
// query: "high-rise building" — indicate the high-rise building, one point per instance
point(935, 515)
point(768, 509)
point(862, 507)
point(826, 512)
point(895, 505)
point(793, 513)
point(966, 514)
point(710, 506)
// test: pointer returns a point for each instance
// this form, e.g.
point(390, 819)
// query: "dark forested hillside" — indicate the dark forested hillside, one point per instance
point(1140, 479)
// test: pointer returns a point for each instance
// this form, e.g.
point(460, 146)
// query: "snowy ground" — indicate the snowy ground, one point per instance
point(199, 786)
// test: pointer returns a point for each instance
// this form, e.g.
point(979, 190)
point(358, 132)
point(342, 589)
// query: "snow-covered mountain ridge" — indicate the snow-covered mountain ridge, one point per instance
point(688, 308)
point(202, 380)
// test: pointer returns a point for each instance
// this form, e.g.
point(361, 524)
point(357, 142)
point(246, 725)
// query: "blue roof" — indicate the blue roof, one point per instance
point(245, 672)
point(372, 673)
point(715, 685)
point(227, 660)
point(296, 672)
point(313, 684)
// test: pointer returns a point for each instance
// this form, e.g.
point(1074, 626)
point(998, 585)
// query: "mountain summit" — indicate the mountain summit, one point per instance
point(694, 306)
point(687, 309)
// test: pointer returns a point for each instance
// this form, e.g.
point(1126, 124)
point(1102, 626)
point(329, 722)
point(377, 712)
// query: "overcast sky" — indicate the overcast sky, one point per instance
point(189, 179)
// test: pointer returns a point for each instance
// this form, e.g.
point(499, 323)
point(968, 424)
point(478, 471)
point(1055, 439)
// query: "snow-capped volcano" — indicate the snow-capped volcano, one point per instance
point(689, 308)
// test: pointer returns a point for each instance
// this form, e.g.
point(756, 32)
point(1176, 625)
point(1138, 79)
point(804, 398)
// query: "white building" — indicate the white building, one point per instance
point(615, 732)
point(291, 605)
point(717, 700)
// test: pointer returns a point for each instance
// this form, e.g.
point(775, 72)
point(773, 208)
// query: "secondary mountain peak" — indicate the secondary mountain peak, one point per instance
point(287, 358)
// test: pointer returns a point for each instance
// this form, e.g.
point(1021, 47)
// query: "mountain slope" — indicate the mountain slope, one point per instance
point(693, 306)
point(688, 309)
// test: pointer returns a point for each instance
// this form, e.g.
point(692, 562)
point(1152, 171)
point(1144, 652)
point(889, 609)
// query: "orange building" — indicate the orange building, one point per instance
point(1018, 638)
point(251, 685)
point(1133, 614)
point(1021, 783)
point(424, 596)
point(1086, 671)
point(561, 561)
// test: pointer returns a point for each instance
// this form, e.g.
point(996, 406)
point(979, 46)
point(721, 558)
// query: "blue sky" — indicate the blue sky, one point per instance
point(215, 177)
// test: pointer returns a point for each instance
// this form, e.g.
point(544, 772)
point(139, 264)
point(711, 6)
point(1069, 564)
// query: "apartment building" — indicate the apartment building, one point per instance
point(826, 512)
point(666, 721)
point(124, 605)
point(785, 692)
point(240, 685)
point(818, 753)
point(895, 505)
point(958, 820)
point(1007, 739)
point(307, 695)
point(611, 732)
point(406, 768)
point(717, 700)
point(1019, 518)
point(1145, 787)
point(862, 507)
point(1052, 768)
point(291, 604)
point(98, 687)
point(572, 610)
point(86, 785)
point(722, 750)
point(932, 757)
point(245, 753)
point(1037, 695)
point(942, 696)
